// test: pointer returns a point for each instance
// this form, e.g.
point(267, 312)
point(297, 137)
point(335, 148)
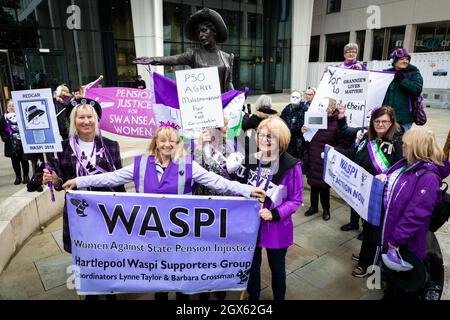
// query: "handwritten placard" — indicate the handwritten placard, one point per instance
point(200, 98)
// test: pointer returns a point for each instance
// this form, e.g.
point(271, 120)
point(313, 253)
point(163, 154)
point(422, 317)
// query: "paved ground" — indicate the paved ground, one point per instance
point(318, 264)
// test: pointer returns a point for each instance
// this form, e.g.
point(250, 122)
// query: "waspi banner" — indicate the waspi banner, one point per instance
point(143, 243)
point(362, 191)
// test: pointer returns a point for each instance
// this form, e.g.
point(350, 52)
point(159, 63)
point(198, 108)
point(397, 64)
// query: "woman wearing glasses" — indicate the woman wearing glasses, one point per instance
point(379, 149)
point(351, 51)
point(278, 172)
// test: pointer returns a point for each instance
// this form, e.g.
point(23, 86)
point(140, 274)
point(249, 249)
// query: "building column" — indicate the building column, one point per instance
point(322, 48)
point(352, 37)
point(368, 45)
point(148, 32)
point(410, 37)
point(302, 15)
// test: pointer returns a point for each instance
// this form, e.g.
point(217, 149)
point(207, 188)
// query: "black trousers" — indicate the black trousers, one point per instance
point(20, 165)
point(277, 264)
point(370, 243)
point(324, 197)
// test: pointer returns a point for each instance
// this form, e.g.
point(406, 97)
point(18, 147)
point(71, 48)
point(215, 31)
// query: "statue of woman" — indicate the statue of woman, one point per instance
point(208, 28)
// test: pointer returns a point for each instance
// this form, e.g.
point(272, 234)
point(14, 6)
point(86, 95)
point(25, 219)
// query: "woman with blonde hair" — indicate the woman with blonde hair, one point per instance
point(85, 153)
point(277, 171)
point(412, 189)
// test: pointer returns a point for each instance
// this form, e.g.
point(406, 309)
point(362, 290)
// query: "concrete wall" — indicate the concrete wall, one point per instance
point(353, 15)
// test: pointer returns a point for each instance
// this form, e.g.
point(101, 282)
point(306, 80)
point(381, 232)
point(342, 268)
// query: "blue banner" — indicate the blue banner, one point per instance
point(142, 242)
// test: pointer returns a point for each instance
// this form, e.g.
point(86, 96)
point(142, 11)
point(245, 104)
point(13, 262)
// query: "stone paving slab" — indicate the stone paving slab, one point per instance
point(20, 282)
point(53, 270)
point(58, 236)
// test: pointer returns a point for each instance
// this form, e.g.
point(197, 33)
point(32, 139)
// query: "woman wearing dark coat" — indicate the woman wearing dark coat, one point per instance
point(294, 117)
point(380, 148)
point(100, 154)
point(332, 137)
point(9, 132)
point(406, 86)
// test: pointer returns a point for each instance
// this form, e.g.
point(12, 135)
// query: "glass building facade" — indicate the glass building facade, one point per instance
point(259, 38)
point(49, 42)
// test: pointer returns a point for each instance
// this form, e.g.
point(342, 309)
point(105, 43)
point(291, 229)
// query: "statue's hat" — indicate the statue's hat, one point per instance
point(206, 14)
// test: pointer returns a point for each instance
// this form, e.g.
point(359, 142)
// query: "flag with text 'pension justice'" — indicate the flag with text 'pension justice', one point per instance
point(125, 111)
point(167, 108)
point(126, 242)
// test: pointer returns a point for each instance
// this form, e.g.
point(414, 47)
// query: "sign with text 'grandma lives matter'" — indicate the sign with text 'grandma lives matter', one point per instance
point(362, 191)
point(143, 243)
point(125, 111)
point(200, 98)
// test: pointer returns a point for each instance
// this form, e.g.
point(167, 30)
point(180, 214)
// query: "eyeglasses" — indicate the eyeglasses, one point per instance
point(268, 137)
point(351, 51)
point(382, 122)
point(310, 94)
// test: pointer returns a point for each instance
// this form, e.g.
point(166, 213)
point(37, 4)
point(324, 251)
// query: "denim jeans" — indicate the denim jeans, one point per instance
point(406, 126)
point(277, 264)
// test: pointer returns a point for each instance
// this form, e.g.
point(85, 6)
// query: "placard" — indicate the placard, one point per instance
point(316, 120)
point(37, 121)
point(200, 98)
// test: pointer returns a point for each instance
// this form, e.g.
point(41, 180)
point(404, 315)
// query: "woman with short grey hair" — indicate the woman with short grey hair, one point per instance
point(351, 51)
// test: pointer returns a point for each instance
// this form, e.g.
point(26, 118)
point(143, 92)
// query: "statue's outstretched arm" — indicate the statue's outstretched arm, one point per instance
point(185, 58)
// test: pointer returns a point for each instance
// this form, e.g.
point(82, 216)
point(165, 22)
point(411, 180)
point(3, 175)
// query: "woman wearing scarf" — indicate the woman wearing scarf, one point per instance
point(380, 148)
point(9, 131)
point(280, 175)
point(351, 51)
point(85, 153)
point(165, 169)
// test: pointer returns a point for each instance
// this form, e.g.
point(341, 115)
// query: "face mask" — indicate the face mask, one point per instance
point(11, 118)
point(295, 99)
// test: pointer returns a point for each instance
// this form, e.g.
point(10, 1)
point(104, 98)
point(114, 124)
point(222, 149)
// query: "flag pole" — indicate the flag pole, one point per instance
point(50, 183)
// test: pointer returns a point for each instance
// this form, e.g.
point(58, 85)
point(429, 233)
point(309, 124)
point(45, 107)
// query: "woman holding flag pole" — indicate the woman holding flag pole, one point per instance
point(85, 153)
point(379, 149)
point(165, 169)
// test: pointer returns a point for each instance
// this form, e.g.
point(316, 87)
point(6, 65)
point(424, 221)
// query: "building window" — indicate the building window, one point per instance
point(335, 46)
point(361, 41)
point(386, 40)
point(433, 37)
point(378, 43)
point(314, 49)
point(333, 6)
point(396, 36)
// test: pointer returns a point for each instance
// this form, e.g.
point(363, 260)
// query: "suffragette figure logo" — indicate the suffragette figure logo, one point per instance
point(35, 115)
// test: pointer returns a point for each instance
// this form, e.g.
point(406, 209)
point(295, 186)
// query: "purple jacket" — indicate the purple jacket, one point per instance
point(280, 234)
point(407, 214)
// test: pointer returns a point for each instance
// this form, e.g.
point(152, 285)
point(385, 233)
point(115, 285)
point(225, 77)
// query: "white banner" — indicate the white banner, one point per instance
point(362, 191)
point(200, 98)
point(361, 91)
point(37, 122)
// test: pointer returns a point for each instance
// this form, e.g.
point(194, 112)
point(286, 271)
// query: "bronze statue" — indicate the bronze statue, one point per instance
point(208, 28)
